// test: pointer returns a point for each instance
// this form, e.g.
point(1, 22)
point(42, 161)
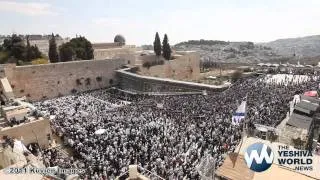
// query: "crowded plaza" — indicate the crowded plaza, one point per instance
point(167, 135)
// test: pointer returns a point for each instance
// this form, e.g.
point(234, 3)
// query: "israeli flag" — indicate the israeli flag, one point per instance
point(239, 115)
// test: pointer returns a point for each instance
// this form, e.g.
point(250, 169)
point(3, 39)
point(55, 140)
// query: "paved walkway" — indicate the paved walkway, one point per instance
point(134, 92)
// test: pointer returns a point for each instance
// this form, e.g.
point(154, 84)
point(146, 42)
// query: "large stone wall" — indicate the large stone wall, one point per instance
point(38, 82)
point(135, 82)
point(184, 67)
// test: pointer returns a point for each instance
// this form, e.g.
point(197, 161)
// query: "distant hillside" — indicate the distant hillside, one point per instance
point(222, 51)
point(308, 46)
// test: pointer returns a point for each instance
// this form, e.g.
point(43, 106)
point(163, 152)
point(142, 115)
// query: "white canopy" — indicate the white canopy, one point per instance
point(100, 131)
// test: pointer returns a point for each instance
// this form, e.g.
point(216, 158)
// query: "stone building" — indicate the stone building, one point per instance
point(18, 121)
point(115, 49)
point(299, 128)
point(43, 44)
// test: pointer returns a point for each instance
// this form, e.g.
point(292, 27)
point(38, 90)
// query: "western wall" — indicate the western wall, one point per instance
point(38, 82)
point(46, 81)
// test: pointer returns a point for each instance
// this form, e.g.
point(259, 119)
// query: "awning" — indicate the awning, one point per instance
point(311, 93)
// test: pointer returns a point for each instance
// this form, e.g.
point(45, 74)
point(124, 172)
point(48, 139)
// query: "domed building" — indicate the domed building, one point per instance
point(115, 49)
point(120, 39)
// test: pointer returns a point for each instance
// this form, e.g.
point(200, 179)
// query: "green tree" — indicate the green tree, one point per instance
point(3, 57)
point(14, 46)
point(31, 52)
point(66, 52)
point(6, 44)
point(235, 76)
point(78, 48)
point(157, 45)
point(166, 48)
point(82, 48)
point(28, 55)
point(53, 53)
point(14, 50)
point(35, 52)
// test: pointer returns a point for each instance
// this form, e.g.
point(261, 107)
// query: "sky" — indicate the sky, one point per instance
point(181, 20)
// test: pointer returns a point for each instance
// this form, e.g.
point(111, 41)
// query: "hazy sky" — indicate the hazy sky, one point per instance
point(138, 20)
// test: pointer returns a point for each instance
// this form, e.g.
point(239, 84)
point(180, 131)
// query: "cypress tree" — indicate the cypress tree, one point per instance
point(53, 53)
point(28, 51)
point(166, 48)
point(157, 45)
point(36, 52)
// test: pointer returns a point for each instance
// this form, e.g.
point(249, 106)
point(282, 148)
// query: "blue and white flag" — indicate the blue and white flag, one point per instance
point(239, 115)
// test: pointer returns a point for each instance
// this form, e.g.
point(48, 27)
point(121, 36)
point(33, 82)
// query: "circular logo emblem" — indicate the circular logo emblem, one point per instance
point(259, 157)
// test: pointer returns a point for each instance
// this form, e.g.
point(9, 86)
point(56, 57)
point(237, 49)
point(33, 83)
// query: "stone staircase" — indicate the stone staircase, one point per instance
point(62, 151)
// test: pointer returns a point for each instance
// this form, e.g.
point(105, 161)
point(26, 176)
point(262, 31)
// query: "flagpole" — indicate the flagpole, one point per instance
point(245, 114)
point(242, 134)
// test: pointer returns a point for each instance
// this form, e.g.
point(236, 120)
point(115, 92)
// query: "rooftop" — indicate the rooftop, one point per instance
point(234, 167)
point(17, 113)
point(300, 121)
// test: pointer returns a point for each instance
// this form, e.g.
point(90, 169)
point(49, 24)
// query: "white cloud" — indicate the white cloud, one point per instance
point(27, 8)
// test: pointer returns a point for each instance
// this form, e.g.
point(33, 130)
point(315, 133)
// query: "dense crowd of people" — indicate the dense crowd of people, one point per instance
point(167, 135)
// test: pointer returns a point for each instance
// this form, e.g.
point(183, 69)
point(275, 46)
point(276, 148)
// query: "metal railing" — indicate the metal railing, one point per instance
point(149, 174)
point(123, 175)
